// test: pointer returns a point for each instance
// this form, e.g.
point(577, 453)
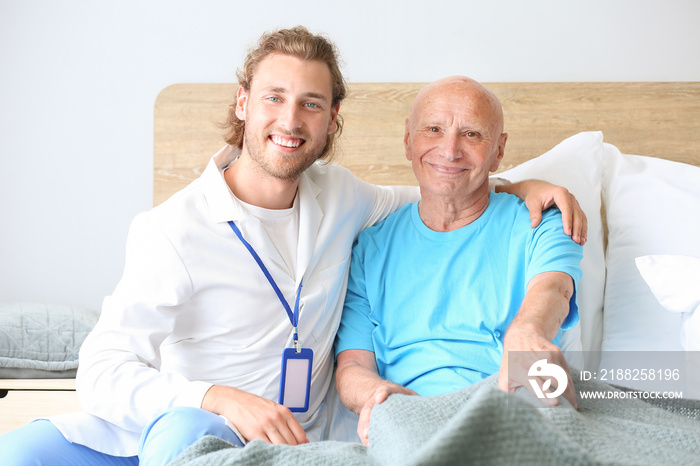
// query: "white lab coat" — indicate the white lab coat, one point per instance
point(193, 309)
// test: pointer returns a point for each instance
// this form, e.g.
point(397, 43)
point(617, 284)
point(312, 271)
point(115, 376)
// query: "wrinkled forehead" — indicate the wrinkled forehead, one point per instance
point(458, 99)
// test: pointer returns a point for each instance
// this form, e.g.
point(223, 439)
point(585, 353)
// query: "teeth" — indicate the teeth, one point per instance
point(285, 142)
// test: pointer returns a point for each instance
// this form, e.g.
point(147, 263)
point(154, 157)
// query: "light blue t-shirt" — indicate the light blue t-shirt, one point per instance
point(434, 306)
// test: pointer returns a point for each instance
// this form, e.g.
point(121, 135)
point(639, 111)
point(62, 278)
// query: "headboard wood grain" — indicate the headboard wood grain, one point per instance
point(654, 119)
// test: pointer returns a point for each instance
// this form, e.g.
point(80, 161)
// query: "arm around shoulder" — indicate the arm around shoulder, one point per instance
point(541, 195)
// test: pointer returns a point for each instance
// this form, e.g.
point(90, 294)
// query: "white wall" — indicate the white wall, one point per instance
point(78, 80)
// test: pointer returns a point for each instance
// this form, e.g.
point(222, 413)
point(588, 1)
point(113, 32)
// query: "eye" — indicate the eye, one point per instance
point(273, 99)
point(472, 134)
point(433, 129)
point(312, 105)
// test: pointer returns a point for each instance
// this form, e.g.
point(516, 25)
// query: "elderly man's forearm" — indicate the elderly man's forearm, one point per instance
point(546, 304)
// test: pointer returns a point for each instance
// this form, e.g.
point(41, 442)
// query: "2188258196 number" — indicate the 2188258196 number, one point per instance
point(616, 375)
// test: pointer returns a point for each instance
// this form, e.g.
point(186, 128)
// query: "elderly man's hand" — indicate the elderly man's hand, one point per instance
point(525, 349)
point(541, 195)
point(379, 396)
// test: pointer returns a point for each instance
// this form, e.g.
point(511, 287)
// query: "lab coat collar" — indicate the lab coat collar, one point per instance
point(222, 205)
point(223, 208)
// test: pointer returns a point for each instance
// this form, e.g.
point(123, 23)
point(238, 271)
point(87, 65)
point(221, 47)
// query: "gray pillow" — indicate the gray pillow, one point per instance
point(42, 340)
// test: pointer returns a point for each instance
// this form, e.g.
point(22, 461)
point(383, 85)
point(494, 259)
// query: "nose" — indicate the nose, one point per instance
point(290, 117)
point(450, 147)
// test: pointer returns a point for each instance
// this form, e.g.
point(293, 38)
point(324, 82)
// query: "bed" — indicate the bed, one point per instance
point(617, 146)
point(628, 151)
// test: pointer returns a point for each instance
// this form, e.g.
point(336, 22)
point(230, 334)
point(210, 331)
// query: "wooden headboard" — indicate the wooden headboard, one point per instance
point(654, 119)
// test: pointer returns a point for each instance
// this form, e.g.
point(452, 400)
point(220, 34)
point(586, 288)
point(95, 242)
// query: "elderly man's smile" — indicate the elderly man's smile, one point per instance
point(446, 169)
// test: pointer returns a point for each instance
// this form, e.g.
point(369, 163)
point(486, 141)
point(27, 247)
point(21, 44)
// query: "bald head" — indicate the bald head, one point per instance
point(474, 95)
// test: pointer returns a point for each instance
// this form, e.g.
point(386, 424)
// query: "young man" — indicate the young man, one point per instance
point(227, 277)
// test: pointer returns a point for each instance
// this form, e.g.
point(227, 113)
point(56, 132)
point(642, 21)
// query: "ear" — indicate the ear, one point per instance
point(333, 126)
point(501, 151)
point(406, 143)
point(241, 102)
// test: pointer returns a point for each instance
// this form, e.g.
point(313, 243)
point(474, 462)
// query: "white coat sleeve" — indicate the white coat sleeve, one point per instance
point(119, 378)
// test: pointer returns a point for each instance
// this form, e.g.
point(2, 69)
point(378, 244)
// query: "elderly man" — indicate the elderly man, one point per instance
point(238, 274)
point(441, 290)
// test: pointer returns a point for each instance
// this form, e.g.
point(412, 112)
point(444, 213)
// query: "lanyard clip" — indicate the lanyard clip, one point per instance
point(297, 342)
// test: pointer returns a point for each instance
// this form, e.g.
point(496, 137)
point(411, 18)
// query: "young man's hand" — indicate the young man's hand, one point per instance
point(255, 417)
point(541, 195)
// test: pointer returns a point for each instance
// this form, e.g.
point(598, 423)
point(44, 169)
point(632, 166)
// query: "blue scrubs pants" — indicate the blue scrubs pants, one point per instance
point(41, 443)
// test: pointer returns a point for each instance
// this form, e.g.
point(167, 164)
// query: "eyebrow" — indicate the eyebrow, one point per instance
point(312, 95)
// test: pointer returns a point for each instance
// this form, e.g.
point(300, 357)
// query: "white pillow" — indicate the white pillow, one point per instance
point(652, 207)
point(576, 164)
point(675, 282)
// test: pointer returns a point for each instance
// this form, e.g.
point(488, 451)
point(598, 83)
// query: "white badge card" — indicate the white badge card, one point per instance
point(295, 382)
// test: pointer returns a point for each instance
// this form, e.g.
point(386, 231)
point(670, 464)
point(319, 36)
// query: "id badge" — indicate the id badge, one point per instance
point(295, 382)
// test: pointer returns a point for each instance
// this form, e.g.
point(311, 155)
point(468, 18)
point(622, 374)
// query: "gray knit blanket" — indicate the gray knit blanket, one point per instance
point(482, 425)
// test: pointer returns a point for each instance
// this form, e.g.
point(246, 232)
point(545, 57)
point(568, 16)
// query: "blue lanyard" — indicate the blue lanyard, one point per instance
point(293, 316)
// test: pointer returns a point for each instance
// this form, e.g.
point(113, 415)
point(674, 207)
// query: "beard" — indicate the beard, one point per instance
point(280, 165)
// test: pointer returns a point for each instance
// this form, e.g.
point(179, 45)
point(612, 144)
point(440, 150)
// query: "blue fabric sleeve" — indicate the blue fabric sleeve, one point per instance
point(553, 251)
point(356, 327)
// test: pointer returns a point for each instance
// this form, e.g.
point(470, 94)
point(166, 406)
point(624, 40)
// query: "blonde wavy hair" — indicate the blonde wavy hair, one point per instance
point(300, 43)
